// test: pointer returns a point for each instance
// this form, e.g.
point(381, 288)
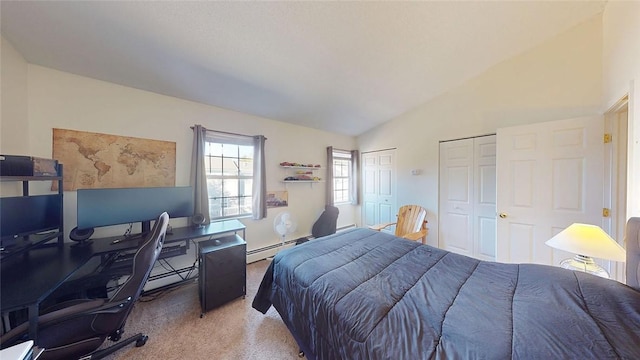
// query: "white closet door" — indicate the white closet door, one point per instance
point(467, 208)
point(378, 188)
point(456, 196)
point(484, 199)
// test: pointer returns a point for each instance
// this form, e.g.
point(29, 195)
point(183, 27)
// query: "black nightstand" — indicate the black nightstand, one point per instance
point(222, 271)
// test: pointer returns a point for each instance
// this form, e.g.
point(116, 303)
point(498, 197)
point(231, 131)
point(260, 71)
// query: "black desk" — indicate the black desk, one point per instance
point(105, 245)
point(26, 280)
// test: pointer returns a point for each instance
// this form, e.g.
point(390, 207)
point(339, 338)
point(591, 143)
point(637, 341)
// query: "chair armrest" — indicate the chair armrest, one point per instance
point(416, 235)
point(379, 227)
point(73, 308)
point(76, 307)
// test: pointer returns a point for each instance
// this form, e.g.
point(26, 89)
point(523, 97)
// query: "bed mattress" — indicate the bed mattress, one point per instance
point(362, 294)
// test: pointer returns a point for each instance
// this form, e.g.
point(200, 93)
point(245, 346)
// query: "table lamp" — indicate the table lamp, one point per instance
point(587, 241)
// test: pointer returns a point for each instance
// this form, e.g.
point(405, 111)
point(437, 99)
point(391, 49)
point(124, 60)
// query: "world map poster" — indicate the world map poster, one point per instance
point(93, 160)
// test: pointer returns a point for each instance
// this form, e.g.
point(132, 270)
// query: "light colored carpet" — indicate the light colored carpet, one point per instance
point(232, 331)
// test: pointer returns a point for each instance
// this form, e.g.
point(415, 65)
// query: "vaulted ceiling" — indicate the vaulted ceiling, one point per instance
point(343, 67)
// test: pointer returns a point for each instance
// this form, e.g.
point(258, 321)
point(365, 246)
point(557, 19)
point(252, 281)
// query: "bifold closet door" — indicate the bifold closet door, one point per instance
point(467, 200)
point(378, 188)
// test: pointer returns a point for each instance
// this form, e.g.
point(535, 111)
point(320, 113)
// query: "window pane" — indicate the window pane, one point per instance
point(229, 187)
point(246, 204)
point(215, 207)
point(214, 188)
point(213, 149)
point(337, 170)
point(213, 165)
point(230, 166)
point(230, 206)
point(245, 152)
point(245, 187)
point(246, 167)
point(230, 150)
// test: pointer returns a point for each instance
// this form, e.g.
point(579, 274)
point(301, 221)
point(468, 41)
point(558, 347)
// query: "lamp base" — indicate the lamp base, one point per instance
point(585, 264)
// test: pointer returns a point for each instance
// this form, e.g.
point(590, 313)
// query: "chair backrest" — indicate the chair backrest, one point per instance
point(632, 244)
point(143, 261)
point(411, 219)
point(326, 223)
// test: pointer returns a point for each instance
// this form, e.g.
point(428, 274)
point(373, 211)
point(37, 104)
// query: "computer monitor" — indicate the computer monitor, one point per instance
point(26, 215)
point(105, 207)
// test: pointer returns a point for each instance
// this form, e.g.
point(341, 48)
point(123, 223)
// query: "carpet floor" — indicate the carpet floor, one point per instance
point(235, 330)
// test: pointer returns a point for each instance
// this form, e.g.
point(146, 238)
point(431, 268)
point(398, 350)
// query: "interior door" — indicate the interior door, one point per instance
point(378, 188)
point(456, 196)
point(484, 199)
point(615, 180)
point(467, 208)
point(549, 175)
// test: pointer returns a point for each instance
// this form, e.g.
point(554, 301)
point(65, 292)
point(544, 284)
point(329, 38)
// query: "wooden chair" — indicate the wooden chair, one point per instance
point(411, 223)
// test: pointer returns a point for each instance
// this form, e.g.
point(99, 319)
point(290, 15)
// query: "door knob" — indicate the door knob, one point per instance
point(502, 215)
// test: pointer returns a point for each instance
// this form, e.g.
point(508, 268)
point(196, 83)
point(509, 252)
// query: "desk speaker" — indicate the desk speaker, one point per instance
point(197, 220)
point(81, 236)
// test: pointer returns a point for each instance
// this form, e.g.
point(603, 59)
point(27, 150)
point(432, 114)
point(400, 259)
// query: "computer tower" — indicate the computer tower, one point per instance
point(222, 271)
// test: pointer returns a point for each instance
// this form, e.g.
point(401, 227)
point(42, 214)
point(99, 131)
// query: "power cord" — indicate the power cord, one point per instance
point(128, 231)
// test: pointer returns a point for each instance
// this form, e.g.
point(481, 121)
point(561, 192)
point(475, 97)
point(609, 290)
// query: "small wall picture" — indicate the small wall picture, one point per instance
point(277, 199)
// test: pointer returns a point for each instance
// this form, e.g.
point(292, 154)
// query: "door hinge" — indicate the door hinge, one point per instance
point(608, 138)
point(606, 212)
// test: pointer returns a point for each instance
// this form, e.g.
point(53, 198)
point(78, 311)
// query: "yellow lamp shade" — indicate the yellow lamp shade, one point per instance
point(588, 240)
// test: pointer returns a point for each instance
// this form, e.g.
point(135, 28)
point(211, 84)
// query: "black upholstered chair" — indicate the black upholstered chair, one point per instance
point(326, 223)
point(76, 328)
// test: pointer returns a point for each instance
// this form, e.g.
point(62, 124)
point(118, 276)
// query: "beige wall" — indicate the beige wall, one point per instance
point(621, 69)
point(56, 99)
point(561, 78)
point(13, 96)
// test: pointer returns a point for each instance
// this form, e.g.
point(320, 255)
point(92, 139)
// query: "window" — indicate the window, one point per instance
point(229, 167)
point(341, 176)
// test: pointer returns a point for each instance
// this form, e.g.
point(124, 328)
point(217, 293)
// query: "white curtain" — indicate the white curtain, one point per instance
point(259, 190)
point(329, 195)
point(354, 193)
point(199, 175)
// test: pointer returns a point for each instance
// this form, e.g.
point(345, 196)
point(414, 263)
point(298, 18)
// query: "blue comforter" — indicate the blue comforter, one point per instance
point(362, 294)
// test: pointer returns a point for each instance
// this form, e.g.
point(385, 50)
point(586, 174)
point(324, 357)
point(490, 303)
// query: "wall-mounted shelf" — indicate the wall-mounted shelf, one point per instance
point(302, 181)
point(293, 175)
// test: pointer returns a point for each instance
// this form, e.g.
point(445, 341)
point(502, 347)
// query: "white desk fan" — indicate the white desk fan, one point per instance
point(284, 225)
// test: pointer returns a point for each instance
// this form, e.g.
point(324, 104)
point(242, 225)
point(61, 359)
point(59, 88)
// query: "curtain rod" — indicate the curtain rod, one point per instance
point(343, 150)
point(228, 133)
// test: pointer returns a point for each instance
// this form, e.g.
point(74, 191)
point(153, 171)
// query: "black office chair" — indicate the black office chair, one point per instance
point(326, 223)
point(76, 328)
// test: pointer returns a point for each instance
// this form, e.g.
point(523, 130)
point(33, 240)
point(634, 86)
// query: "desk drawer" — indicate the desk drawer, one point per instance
point(216, 291)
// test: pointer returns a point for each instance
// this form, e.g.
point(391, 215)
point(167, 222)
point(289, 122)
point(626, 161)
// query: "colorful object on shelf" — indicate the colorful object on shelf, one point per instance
point(304, 172)
point(302, 177)
point(301, 165)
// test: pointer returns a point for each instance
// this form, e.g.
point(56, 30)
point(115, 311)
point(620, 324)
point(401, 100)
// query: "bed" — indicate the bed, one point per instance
point(362, 294)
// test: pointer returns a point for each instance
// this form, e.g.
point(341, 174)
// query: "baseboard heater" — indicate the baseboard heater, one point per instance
point(270, 247)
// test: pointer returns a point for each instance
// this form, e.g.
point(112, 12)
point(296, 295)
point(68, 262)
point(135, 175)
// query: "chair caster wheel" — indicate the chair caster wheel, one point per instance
point(142, 341)
point(301, 354)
